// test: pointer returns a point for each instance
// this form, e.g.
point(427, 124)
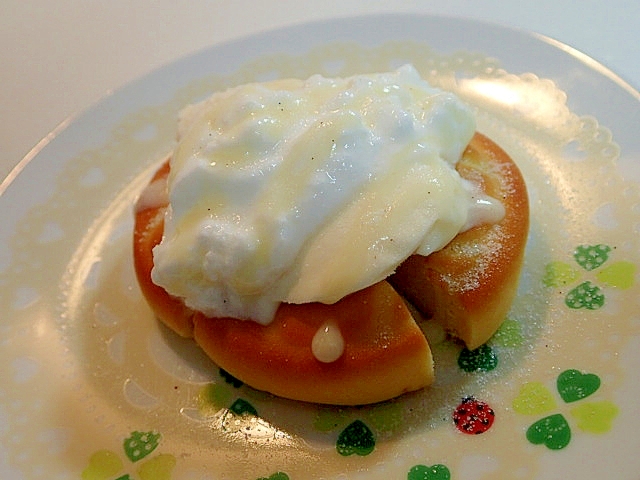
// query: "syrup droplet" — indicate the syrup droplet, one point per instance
point(327, 344)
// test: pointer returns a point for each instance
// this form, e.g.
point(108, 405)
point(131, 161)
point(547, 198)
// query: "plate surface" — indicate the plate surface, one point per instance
point(94, 388)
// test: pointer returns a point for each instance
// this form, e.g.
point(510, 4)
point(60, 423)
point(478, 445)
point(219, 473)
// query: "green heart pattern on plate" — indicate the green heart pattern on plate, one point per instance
point(242, 407)
point(140, 444)
point(276, 476)
point(534, 399)
point(357, 439)
point(433, 472)
point(573, 385)
point(554, 430)
point(358, 436)
point(482, 359)
point(107, 465)
point(589, 294)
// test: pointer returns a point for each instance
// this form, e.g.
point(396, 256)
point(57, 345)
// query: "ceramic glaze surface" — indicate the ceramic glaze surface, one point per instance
point(95, 388)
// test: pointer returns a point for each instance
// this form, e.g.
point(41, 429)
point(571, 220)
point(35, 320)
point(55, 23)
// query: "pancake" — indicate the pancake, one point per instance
point(467, 287)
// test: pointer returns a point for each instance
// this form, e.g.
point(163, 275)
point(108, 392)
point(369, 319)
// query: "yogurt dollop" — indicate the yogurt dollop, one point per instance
point(307, 190)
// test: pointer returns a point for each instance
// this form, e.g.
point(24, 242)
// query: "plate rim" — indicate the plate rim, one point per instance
point(587, 61)
point(54, 135)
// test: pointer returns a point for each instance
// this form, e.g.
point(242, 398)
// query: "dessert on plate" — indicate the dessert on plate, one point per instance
point(297, 222)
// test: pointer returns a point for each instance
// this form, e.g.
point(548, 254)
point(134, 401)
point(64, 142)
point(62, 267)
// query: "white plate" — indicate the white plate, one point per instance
point(85, 366)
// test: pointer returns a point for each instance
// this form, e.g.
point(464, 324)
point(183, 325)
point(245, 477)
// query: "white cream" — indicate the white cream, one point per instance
point(153, 196)
point(300, 191)
point(327, 344)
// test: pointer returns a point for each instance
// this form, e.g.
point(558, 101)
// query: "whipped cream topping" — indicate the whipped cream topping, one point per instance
point(307, 190)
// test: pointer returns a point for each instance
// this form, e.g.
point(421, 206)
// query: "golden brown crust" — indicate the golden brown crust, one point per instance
point(385, 353)
point(469, 285)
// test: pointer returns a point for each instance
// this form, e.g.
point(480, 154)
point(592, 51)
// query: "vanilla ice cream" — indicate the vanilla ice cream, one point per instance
point(307, 190)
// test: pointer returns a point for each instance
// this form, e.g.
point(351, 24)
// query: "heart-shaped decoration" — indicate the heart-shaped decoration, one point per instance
point(230, 379)
point(386, 416)
point(276, 476)
point(586, 295)
point(434, 472)
point(591, 257)
point(328, 419)
point(509, 334)
point(140, 444)
point(212, 397)
point(534, 399)
point(595, 417)
point(157, 468)
point(482, 359)
point(357, 439)
point(242, 407)
point(558, 274)
point(619, 275)
point(573, 385)
point(552, 431)
point(103, 465)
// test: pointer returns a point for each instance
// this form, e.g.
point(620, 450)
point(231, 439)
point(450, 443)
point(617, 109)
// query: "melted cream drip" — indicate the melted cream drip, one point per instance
point(327, 344)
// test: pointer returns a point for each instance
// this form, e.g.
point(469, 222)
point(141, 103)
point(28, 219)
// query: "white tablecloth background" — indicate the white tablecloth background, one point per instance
point(57, 58)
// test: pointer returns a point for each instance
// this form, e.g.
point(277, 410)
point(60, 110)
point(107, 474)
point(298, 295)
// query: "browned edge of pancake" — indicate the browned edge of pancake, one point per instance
point(468, 286)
